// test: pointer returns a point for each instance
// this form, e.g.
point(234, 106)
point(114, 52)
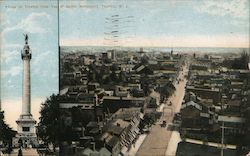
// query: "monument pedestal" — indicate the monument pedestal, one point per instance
point(26, 131)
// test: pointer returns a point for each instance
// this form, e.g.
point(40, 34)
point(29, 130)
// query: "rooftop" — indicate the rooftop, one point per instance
point(190, 149)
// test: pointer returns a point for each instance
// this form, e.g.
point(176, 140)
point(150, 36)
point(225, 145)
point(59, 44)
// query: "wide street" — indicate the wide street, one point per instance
point(25, 152)
point(157, 141)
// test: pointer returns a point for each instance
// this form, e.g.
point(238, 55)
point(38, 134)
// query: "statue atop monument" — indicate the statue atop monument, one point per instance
point(26, 38)
point(26, 48)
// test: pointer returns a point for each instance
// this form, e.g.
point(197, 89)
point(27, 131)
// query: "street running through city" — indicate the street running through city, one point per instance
point(157, 142)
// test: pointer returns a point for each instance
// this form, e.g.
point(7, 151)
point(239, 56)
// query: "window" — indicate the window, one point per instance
point(26, 129)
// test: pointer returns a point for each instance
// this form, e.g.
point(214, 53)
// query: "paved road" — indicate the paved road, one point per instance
point(26, 152)
point(156, 143)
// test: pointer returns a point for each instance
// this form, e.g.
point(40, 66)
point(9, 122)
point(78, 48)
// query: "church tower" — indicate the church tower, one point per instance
point(26, 132)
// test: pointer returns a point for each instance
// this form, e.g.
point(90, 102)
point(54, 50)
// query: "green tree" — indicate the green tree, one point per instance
point(6, 133)
point(242, 62)
point(144, 59)
point(49, 126)
point(167, 90)
point(149, 119)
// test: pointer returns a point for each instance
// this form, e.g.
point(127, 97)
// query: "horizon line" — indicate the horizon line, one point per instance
point(152, 46)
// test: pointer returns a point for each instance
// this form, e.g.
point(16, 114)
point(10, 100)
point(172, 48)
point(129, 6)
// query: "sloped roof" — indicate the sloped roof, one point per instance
point(113, 141)
point(192, 103)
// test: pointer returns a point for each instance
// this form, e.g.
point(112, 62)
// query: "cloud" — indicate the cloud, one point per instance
point(10, 52)
point(4, 20)
point(233, 8)
point(13, 71)
point(44, 58)
point(33, 23)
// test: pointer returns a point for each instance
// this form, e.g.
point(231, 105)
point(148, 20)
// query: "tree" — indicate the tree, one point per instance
point(144, 59)
point(6, 133)
point(149, 119)
point(242, 62)
point(49, 126)
point(167, 90)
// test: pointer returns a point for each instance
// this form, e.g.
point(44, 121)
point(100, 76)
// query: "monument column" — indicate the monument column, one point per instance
point(26, 131)
point(26, 57)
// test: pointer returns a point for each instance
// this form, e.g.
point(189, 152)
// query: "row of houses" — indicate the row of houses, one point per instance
point(198, 116)
point(110, 94)
point(216, 98)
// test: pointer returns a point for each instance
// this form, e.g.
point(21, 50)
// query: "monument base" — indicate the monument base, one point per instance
point(26, 131)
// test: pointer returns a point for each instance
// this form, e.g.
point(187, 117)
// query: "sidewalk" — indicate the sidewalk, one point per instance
point(137, 145)
point(26, 152)
point(173, 143)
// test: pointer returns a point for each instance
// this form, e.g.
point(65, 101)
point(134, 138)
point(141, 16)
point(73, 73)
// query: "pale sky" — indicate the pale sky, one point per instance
point(181, 23)
point(159, 23)
point(41, 26)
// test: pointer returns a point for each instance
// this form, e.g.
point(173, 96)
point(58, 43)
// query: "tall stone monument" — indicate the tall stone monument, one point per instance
point(26, 132)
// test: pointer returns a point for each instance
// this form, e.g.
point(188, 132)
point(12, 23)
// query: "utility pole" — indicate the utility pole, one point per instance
point(222, 139)
point(222, 129)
